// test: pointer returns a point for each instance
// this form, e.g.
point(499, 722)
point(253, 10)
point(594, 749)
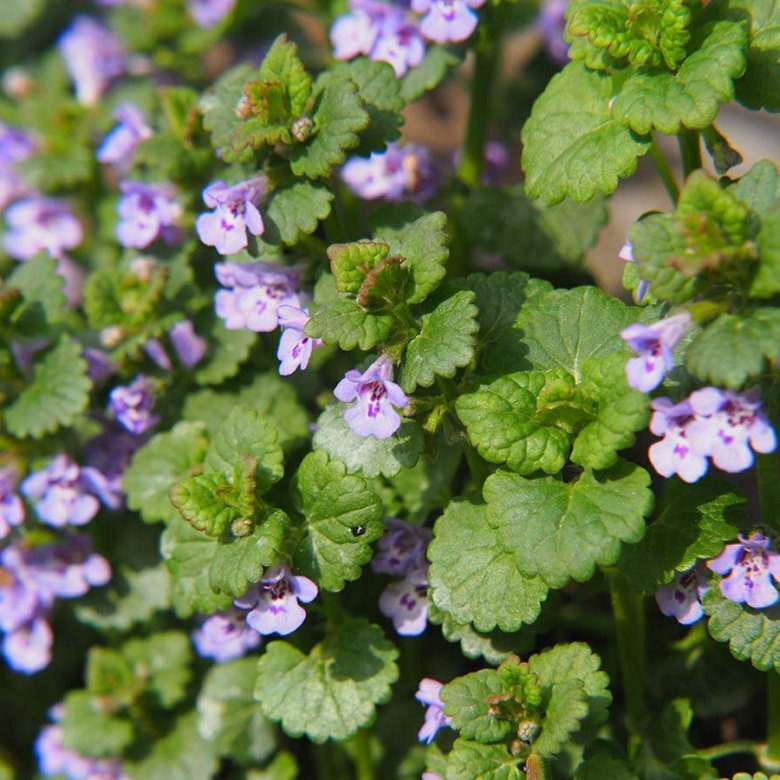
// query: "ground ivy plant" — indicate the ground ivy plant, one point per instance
point(323, 455)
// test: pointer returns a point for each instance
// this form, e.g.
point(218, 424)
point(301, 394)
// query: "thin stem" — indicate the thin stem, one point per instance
point(773, 717)
point(690, 151)
point(664, 171)
point(628, 610)
point(361, 756)
point(728, 749)
point(487, 54)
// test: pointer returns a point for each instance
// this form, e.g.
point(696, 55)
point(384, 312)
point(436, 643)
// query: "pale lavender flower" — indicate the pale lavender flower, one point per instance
point(147, 212)
point(626, 253)
point(15, 145)
point(681, 598)
point(385, 32)
point(11, 507)
point(235, 212)
point(156, 351)
point(37, 224)
point(654, 344)
point(225, 636)
point(132, 405)
point(429, 693)
point(188, 345)
point(209, 13)
point(399, 173)
point(551, 24)
point(677, 452)
point(375, 394)
point(94, 57)
point(27, 649)
point(405, 602)
point(295, 347)
point(728, 424)
point(254, 292)
point(750, 568)
point(447, 21)
point(108, 456)
point(119, 145)
point(401, 548)
point(100, 365)
point(63, 492)
point(273, 602)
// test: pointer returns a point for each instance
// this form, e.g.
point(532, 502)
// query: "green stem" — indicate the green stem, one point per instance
point(628, 610)
point(361, 756)
point(690, 151)
point(769, 490)
point(773, 717)
point(728, 749)
point(487, 54)
point(664, 171)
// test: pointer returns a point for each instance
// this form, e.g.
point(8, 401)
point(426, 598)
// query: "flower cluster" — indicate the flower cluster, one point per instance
point(235, 212)
point(429, 693)
point(402, 552)
point(119, 145)
point(31, 579)
point(132, 405)
point(147, 212)
point(654, 344)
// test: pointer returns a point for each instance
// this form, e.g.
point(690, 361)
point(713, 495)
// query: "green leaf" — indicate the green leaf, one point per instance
point(753, 634)
point(562, 329)
point(524, 419)
point(343, 518)
point(239, 561)
point(692, 96)
point(162, 662)
point(436, 64)
point(445, 343)
point(766, 282)
point(749, 342)
point(621, 411)
point(759, 188)
point(565, 707)
point(247, 434)
point(90, 731)
point(228, 349)
point(182, 754)
point(485, 587)
point(333, 691)
point(283, 767)
point(572, 144)
point(40, 284)
point(282, 64)
point(113, 297)
point(339, 320)
point(164, 460)
point(16, 17)
point(422, 244)
point(351, 263)
point(229, 717)
point(367, 454)
point(475, 761)
point(563, 530)
point(576, 661)
point(602, 765)
point(694, 522)
point(56, 395)
point(294, 211)
point(189, 554)
point(338, 118)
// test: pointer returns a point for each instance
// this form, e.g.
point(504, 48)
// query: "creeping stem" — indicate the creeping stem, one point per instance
point(629, 614)
point(361, 756)
point(664, 171)
point(487, 54)
point(690, 151)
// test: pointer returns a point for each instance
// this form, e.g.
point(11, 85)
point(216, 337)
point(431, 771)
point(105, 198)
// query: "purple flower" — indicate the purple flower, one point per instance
point(751, 568)
point(681, 598)
point(295, 347)
point(235, 212)
point(120, 144)
point(94, 57)
point(429, 692)
point(654, 344)
point(381, 31)
point(551, 24)
point(676, 453)
point(15, 145)
point(11, 507)
point(627, 253)
point(399, 173)
point(376, 395)
point(447, 21)
point(107, 456)
point(37, 224)
point(132, 405)
point(274, 602)
point(189, 346)
point(402, 548)
point(209, 13)
point(728, 424)
point(63, 492)
point(147, 212)
point(254, 293)
point(406, 602)
point(225, 636)
point(28, 648)
point(100, 365)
